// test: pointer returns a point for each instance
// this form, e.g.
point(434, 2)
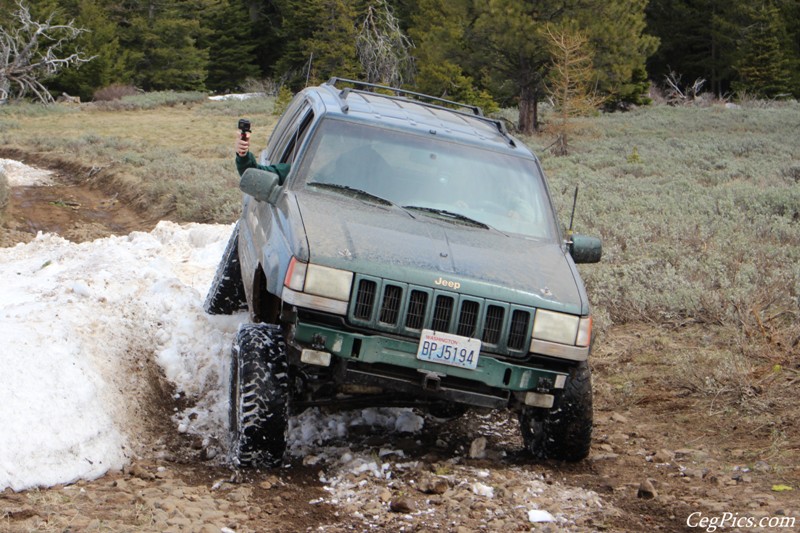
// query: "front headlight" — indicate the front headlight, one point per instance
point(317, 287)
point(328, 282)
point(555, 327)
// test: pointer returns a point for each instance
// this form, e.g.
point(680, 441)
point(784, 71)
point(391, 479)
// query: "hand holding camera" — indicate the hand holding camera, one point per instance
point(243, 141)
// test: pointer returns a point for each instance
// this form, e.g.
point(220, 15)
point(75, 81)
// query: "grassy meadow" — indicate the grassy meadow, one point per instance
point(168, 154)
point(698, 209)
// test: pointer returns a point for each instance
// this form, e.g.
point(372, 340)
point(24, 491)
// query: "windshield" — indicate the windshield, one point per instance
point(431, 177)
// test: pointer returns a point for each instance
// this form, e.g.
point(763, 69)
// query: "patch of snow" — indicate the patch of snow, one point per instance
point(537, 515)
point(240, 96)
point(22, 175)
point(481, 489)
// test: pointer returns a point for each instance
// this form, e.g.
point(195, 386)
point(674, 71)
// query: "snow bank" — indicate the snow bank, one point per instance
point(86, 332)
point(80, 328)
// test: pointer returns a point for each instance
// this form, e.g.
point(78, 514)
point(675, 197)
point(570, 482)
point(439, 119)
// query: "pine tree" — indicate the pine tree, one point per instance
point(615, 31)
point(763, 60)
point(438, 30)
point(319, 40)
point(503, 46)
point(230, 46)
point(163, 42)
point(100, 42)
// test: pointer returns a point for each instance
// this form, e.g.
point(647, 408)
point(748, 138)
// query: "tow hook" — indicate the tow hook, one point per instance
point(431, 381)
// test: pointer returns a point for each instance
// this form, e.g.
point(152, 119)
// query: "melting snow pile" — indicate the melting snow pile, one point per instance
point(86, 330)
point(20, 174)
point(82, 326)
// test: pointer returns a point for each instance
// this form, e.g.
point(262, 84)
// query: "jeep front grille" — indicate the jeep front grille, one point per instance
point(405, 309)
point(417, 304)
point(365, 299)
point(441, 313)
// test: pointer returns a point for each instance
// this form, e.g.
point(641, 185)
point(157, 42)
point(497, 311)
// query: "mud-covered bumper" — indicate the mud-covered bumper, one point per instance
point(380, 360)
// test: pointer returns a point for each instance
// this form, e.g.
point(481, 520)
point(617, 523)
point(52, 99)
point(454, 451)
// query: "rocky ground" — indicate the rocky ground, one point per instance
point(662, 458)
point(442, 479)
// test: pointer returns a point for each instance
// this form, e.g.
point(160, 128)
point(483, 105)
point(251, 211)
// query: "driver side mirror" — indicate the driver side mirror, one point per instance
point(585, 249)
point(259, 184)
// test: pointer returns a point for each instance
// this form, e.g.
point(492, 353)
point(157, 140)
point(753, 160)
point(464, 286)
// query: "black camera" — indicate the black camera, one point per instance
point(244, 127)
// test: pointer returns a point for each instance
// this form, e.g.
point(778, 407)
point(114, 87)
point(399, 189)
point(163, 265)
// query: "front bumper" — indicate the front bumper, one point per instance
point(389, 361)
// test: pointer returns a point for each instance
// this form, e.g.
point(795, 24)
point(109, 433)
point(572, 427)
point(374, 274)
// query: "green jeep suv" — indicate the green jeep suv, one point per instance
point(411, 257)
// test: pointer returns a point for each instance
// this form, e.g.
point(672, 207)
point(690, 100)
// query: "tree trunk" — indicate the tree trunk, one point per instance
point(528, 111)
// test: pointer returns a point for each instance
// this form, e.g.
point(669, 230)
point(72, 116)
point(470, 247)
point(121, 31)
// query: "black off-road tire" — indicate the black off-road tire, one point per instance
point(565, 431)
point(259, 396)
point(226, 294)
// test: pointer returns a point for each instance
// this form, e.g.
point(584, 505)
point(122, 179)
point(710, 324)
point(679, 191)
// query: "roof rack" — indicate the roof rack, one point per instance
point(475, 110)
point(363, 87)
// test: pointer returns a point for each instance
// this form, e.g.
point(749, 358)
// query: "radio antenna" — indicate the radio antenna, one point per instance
point(572, 216)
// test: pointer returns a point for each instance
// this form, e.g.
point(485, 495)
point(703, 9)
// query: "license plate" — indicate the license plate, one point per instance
point(448, 349)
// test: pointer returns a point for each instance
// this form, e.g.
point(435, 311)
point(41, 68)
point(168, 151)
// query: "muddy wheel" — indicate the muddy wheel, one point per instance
point(226, 294)
point(259, 407)
point(565, 431)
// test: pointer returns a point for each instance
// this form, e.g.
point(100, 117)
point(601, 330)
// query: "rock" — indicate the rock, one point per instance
point(477, 450)
point(141, 473)
point(385, 495)
point(762, 466)
point(646, 490)
point(618, 438)
point(683, 454)
point(371, 508)
point(603, 457)
point(621, 419)
point(433, 485)
point(664, 456)
point(401, 505)
point(697, 473)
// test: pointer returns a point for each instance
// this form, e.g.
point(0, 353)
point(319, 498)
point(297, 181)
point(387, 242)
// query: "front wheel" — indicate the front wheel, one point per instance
point(565, 431)
point(259, 396)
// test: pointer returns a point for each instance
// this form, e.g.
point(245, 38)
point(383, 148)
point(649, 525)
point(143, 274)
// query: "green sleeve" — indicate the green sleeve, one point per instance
point(243, 162)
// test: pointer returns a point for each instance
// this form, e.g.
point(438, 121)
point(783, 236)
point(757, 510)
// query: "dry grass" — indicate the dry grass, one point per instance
point(172, 161)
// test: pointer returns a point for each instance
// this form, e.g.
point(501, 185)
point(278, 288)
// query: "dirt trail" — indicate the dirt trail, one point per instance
point(660, 460)
point(64, 203)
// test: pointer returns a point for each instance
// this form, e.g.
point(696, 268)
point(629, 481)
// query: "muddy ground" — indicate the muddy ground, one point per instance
point(662, 459)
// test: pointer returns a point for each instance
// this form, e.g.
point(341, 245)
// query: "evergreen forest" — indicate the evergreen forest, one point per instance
point(494, 53)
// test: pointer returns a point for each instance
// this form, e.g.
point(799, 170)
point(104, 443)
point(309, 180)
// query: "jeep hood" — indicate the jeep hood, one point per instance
point(388, 242)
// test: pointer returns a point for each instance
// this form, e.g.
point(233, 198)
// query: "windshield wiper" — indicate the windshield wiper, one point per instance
point(351, 190)
point(449, 214)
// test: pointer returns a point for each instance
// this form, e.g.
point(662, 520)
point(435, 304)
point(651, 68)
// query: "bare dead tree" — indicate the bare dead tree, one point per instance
point(31, 51)
point(678, 95)
point(382, 47)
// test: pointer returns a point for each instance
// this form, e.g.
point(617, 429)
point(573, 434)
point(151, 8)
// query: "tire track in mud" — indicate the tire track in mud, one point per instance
point(68, 202)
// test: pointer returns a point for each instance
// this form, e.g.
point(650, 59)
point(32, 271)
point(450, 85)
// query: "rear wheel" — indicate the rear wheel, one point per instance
point(259, 396)
point(565, 431)
point(226, 294)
